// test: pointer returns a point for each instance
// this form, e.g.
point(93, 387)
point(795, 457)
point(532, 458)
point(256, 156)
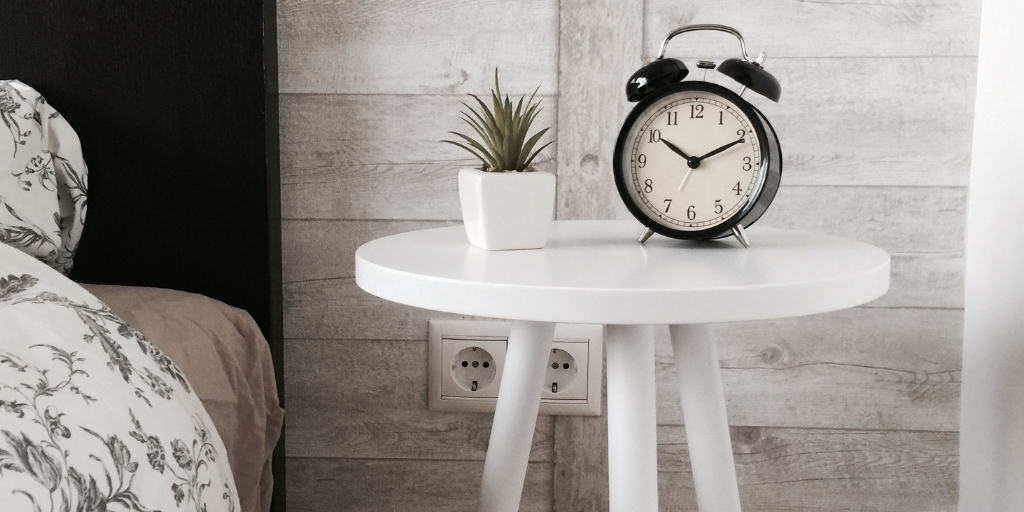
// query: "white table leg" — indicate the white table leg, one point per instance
point(515, 416)
point(632, 419)
point(707, 427)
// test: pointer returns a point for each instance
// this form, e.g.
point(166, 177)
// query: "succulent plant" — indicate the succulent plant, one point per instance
point(503, 144)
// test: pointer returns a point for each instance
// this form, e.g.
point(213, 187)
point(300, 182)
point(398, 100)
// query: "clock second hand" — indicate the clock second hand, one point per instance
point(685, 177)
point(689, 159)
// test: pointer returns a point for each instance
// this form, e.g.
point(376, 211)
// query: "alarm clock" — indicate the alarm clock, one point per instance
point(693, 159)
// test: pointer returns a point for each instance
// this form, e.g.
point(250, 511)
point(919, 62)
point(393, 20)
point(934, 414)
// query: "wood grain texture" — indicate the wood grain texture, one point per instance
point(339, 309)
point(820, 28)
point(580, 464)
point(898, 219)
point(366, 485)
point(861, 368)
point(925, 280)
point(804, 470)
point(600, 45)
point(847, 122)
point(399, 47)
point(341, 155)
point(378, 156)
point(325, 249)
point(367, 399)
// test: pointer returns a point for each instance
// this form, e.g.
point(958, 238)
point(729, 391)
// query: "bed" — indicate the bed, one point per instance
point(175, 104)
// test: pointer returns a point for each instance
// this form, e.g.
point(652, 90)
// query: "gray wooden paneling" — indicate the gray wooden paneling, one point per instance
point(581, 463)
point(897, 219)
point(377, 156)
point(344, 156)
point(339, 309)
point(779, 469)
point(379, 84)
point(368, 399)
point(599, 46)
point(798, 470)
point(400, 47)
point(858, 121)
point(925, 280)
point(863, 368)
point(874, 120)
point(325, 249)
point(370, 485)
point(860, 368)
point(821, 28)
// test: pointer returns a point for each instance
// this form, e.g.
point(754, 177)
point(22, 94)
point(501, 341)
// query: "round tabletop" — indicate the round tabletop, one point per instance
point(596, 272)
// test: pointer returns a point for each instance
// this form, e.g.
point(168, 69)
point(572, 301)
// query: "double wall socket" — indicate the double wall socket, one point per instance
point(467, 359)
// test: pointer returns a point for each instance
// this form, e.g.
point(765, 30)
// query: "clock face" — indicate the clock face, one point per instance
point(691, 160)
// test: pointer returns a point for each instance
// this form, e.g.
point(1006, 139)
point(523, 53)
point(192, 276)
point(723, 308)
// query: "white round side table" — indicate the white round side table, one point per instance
point(595, 272)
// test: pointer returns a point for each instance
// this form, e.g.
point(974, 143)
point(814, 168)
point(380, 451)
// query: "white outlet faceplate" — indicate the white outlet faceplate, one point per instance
point(572, 380)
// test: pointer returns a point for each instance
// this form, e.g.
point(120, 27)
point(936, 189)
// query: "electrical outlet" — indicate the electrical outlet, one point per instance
point(471, 366)
point(467, 358)
point(562, 380)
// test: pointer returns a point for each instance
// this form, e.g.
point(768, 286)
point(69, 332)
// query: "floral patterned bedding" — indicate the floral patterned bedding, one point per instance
point(43, 178)
point(93, 417)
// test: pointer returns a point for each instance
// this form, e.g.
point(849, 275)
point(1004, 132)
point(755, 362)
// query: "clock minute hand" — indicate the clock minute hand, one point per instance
point(675, 149)
point(723, 148)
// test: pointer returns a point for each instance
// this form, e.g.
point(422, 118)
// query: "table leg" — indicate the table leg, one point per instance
point(707, 427)
point(515, 416)
point(632, 419)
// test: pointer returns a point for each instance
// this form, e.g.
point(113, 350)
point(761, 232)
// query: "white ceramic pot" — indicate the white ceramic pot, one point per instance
point(507, 210)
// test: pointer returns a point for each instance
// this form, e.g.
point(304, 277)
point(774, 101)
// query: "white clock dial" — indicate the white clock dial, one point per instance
point(692, 161)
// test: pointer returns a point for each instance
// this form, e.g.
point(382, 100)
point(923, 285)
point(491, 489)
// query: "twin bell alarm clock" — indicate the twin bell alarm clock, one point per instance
point(693, 159)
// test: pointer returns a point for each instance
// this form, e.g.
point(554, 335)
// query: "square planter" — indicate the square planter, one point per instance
point(507, 210)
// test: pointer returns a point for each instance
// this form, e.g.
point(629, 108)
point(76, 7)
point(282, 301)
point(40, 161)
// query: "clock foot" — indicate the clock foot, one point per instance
point(645, 235)
point(737, 231)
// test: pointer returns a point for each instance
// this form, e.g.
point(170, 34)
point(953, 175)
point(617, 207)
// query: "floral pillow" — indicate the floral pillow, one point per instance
point(43, 178)
point(94, 417)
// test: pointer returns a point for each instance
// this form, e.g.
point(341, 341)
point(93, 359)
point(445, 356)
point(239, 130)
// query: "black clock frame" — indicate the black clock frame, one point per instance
point(760, 199)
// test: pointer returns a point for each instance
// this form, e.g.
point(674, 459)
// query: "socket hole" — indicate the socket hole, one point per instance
point(476, 364)
point(485, 364)
point(565, 366)
point(465, 364)
point(554, 366)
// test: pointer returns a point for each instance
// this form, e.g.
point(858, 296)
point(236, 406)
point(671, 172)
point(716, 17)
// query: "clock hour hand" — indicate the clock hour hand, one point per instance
point(675, 149)
point(691, 161)
point(723, 148)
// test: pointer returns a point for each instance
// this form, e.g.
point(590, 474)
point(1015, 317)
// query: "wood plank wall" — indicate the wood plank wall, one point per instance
point(855, 410)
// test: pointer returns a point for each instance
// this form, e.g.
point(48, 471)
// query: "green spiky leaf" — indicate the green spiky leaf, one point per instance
point(502, 128)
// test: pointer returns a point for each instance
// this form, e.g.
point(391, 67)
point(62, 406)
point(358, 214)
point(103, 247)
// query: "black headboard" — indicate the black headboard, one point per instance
point(175, 102)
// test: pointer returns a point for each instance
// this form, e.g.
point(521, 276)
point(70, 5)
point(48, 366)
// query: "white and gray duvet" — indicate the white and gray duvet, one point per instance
point(94, 417)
